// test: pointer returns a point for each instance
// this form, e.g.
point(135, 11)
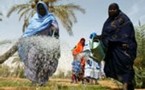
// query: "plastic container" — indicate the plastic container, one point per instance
point(97, 50)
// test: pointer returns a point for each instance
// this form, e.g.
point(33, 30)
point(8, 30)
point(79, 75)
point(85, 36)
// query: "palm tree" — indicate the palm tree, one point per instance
point(65, 13)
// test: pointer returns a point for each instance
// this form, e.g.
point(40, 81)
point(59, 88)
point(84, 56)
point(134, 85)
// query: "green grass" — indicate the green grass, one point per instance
point(24, 84)
point(81, 87)
point(13, 83)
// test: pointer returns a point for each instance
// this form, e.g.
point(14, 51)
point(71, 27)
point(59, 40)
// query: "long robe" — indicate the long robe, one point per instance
point(38, 49)
point(118, 37)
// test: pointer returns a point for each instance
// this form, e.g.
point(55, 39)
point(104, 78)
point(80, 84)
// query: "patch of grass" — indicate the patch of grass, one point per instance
point(61, 74)
point(13, 83)
point(24, 84)
point(81, 87)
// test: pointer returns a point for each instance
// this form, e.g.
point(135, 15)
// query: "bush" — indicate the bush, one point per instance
point(140, 77)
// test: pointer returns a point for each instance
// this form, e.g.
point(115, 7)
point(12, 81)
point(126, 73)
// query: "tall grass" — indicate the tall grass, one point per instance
point(6, 71)
point(140, 60)
point(62, 74)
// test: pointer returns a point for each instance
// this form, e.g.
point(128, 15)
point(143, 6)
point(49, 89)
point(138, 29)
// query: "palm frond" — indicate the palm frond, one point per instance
point(46, 1)
point(50, 1)
point(66, 15)
point(23, 7)
point(74, 7)
point(11, 11)
point(32, 13)
point(72, 15)
point(24, 13)
point(15, 8)
point(63, 15)
point(31, 1)
point(26, 21)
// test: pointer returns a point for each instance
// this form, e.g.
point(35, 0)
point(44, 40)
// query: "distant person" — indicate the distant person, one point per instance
point(39, 52)
point(92, 70)
point(76, 70)
point(42, 23)
point(118, 36)
point(77, 76)
point(79, 47)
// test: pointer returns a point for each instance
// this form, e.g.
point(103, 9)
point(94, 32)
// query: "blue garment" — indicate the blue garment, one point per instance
point(92, 35)
point(39, 23)
point(118, 37)
point(76, 67)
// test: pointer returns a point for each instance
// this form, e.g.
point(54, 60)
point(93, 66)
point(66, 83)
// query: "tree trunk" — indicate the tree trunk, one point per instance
point(9, 53)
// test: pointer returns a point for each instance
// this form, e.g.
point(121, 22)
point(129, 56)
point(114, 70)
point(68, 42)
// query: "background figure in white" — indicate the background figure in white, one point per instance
point(92, 70)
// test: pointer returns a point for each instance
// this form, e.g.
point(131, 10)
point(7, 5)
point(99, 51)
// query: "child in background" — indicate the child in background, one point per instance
point(76, 64)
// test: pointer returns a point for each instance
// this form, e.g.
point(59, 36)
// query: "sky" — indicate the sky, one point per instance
point(91, 21)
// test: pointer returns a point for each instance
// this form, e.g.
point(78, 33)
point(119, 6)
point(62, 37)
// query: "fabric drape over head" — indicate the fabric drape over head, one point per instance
point(39, 23)
point(78, 48)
